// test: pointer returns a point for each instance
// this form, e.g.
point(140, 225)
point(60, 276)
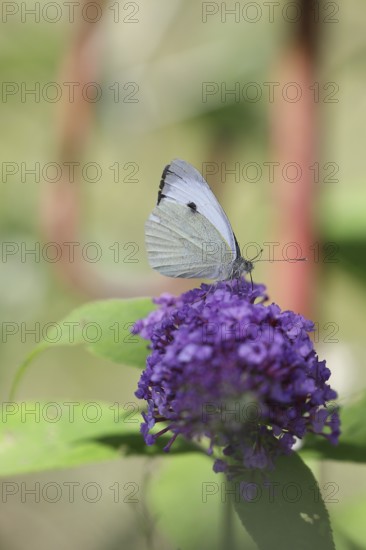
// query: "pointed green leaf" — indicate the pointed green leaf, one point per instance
point(104, 328)
point(37, 436)
point(284, 509)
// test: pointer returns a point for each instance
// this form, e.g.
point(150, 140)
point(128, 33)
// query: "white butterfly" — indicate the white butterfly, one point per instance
point(188, 234)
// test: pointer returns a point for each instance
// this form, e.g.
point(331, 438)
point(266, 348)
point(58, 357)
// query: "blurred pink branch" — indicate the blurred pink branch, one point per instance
point(294, 140)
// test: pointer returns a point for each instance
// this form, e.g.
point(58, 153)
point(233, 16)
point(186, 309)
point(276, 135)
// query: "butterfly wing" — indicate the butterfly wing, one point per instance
point(181, 242)
point(183, 184)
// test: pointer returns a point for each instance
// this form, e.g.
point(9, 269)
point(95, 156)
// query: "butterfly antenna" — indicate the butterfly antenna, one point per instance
point(256, 256)
point(282, 260)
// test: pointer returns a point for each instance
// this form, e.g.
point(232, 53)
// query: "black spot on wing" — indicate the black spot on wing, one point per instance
point(192, 206)
point(162, 183)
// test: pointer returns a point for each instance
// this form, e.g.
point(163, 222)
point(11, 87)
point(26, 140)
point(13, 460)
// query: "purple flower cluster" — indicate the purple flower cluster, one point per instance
point(227, 367)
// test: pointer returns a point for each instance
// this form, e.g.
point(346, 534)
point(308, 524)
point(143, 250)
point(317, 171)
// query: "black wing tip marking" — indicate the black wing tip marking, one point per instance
point(162, 183)
point(192, 206)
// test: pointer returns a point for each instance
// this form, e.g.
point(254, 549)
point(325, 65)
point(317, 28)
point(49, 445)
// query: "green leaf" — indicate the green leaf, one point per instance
point(284, 509)
point(37, 436)
point(104, 328)
point(352, 441)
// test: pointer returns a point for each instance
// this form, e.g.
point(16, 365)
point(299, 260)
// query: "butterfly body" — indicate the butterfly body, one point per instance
point(188, 234)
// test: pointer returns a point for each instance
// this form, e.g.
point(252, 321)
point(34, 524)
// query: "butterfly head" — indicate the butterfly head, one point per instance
point(241, 266)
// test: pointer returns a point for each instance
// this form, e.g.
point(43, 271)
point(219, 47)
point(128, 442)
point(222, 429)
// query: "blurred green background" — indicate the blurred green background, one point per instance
point(168, 52)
